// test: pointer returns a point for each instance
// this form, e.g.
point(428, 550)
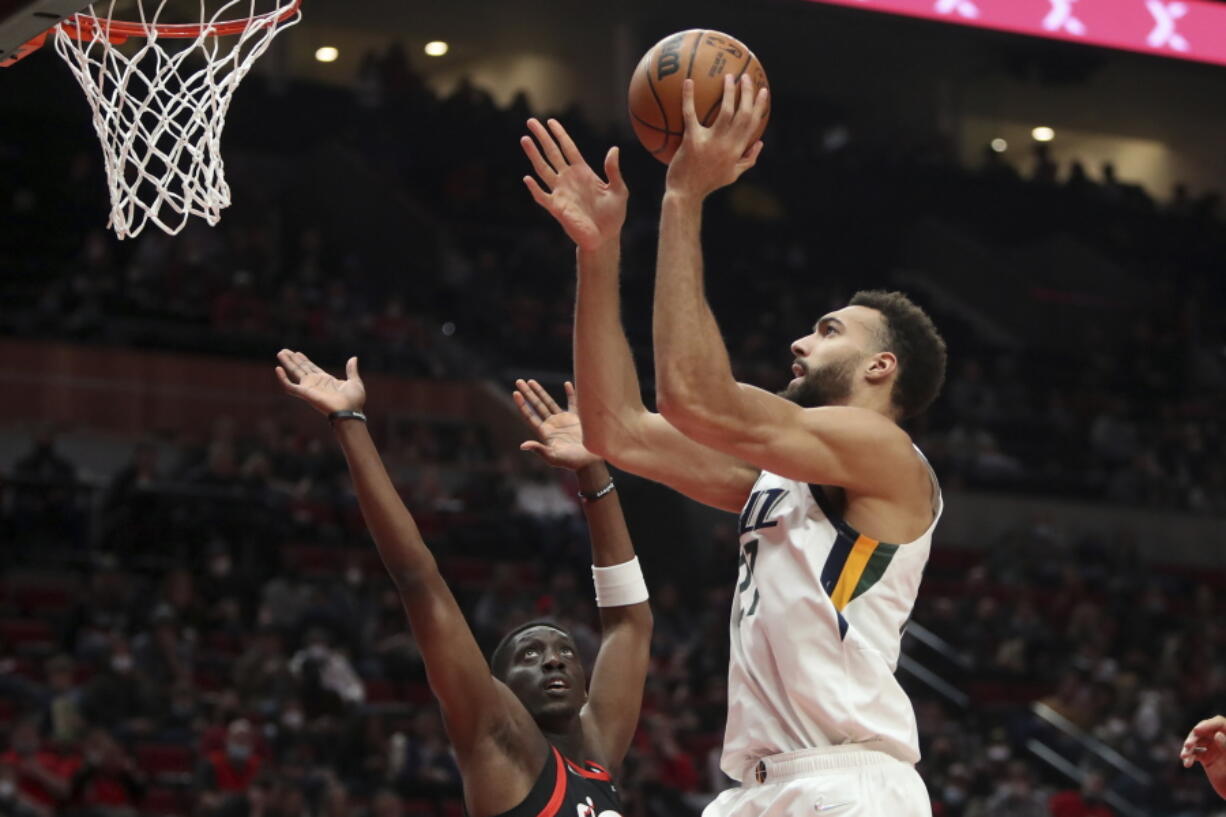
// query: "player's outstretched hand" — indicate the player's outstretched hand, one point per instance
point(713, 157)
point(1206, 745)
point(306, 381)
point(590, 210)
point(559, 435)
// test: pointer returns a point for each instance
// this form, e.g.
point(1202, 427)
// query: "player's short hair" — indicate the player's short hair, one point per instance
point(913, 338)
point(500, 658)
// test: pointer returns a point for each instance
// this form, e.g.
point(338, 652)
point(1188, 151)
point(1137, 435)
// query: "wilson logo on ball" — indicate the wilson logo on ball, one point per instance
point(670, 57)
point(654, 95)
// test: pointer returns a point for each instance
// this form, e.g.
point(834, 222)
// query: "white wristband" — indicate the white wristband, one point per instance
point(619, 585)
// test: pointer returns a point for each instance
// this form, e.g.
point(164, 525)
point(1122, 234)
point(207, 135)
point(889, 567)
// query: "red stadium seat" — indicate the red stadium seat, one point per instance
point(379, 692)
point(165, 757)
point(43, 600)
point(166, 801)
point(312, 560)
point(38, 593)
point(467, 571)
point(418, 807)
point(226, 644)
point(167, 762)
point(417, 693)
point(27, 668)
point(29, 636)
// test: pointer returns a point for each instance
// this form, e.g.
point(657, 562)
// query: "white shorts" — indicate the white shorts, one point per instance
point(842, 781)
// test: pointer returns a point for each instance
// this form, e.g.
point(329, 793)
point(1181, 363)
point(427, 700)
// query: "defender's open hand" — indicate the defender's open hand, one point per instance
point(590, 210)
point(558, 430)
point(306, 381)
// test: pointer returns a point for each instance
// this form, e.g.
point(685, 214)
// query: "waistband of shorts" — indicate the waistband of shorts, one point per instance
point(810, 762)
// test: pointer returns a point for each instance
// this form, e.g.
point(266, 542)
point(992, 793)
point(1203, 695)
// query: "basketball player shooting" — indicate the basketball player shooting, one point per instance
point(837, 506)
point(530, 739)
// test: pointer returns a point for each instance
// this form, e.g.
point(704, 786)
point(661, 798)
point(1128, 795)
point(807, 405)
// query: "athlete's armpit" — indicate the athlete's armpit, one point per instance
point(651, 447)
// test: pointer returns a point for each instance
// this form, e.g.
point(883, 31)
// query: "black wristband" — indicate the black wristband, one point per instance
point(603, 492)
point(346, 415)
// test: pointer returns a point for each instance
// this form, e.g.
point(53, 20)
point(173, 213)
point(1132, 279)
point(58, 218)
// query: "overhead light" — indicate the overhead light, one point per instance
point(437, 48)
point(327, 54)
point(999, 145)
point(1043, 134)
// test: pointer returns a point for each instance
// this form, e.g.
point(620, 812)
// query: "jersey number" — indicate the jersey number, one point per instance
point(761, 503)
point(749, 558)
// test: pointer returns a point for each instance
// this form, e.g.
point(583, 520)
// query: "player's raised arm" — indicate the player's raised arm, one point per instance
point(474, 705)
point(615, 693)
point(697, 391)
point(619, 427)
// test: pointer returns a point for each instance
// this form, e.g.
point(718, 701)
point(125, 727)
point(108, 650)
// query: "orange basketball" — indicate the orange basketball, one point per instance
point(655, 89)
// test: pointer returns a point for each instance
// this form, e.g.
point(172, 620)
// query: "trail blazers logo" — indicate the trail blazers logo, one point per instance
point(1166, 15)
point(1061, 19)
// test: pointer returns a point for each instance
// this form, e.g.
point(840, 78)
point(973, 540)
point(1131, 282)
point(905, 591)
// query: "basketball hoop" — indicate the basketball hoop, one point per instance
point(159, 110)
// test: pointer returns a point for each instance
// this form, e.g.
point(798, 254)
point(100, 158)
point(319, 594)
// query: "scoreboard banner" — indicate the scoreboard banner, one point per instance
point(1184, 29)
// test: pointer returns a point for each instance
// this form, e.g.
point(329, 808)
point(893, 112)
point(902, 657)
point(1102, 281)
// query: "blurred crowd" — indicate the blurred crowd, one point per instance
point(210, 634)
point(1079, 646)
point(229, 644)
point(412, 242)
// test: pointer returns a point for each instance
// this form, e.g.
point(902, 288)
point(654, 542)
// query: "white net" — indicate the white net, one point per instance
point(159, 104)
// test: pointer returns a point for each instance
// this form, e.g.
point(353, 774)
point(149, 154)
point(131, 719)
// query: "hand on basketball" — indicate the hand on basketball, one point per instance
point(715, 157)
point(306, 381)
point(560, 434)
point(1206, 745)
point(590, 210)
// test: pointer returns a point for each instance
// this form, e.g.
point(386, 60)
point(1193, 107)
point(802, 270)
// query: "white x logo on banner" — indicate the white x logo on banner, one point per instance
point(1061, 18)
point(1165, 15)
point(963, 7)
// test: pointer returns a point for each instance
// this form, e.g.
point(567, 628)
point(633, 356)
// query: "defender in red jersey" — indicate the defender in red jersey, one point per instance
point(530, 735)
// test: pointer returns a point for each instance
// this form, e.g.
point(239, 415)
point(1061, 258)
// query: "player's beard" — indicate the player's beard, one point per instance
point(828, 385)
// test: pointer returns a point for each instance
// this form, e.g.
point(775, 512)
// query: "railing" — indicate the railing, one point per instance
point(939, 645)
point(934, 682)
point(1070, 770)
point(1090, 743)
point(1090, 746)
point(945, 652)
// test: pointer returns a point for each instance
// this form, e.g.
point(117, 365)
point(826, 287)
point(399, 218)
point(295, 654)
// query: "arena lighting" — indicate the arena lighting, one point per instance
point(327, 54)
point(999, 145)
point(1183, 29)
point(1043, 134)
point(436, 48)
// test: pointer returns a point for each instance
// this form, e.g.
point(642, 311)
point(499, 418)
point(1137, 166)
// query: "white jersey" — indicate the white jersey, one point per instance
point(817, 620)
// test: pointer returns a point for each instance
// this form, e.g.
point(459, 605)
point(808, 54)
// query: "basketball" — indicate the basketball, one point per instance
point(655, 89)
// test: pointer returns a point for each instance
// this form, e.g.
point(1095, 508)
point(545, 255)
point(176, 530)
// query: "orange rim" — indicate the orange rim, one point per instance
point(84, 27)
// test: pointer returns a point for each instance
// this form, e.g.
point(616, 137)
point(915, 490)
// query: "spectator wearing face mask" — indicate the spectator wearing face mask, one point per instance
point(117, 698)
point(1015, 796)
point(226, 774)
point(108, 782)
